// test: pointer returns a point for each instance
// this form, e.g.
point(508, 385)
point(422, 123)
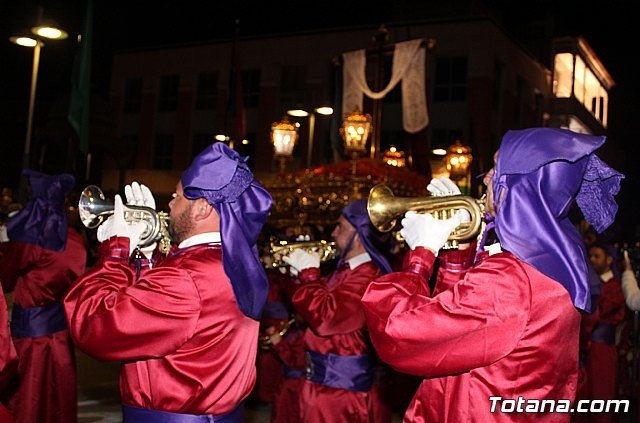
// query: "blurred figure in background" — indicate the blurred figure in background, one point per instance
point(602, 354)
point(342, 382)
point(8, 360)
point(43, 257)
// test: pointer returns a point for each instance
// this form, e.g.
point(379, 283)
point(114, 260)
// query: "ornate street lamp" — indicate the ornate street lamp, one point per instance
point(355, 130)
point(284, 135)
point(458, 161)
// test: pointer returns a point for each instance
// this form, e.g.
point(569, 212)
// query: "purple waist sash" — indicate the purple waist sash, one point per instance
point(352, 372)
point(34, 322)
point(291, 373)
point(604, 333)
point(132, 414)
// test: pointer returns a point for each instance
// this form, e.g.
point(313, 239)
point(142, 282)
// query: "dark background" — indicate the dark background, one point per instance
point(609, 28)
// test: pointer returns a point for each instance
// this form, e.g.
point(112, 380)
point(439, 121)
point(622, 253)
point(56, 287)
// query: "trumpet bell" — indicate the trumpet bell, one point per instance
point(384, 209)
point(94, 209)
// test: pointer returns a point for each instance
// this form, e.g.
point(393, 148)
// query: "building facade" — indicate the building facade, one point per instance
point(171, 101)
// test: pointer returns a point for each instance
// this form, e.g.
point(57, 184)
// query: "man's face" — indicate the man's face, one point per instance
point(342, 233)
point(181, 221)
point(599, 259)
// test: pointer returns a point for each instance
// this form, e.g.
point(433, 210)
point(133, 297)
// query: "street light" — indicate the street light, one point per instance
point(284, 135)
point(323, 110)
point(45, 30)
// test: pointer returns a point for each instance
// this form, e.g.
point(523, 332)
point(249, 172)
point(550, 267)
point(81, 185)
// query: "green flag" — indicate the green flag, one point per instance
point(81, 84)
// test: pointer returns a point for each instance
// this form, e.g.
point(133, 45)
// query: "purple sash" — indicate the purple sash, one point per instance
point(353, 372)
point(291, 373)
point(604, 333)
point(132, 414)
point(34, 322)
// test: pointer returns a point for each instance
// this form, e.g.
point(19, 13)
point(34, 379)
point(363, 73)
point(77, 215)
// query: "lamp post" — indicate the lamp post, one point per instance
point(458, 161)
point(323, 110)
point(284, 135)
point(355, 130)
point(44, 30)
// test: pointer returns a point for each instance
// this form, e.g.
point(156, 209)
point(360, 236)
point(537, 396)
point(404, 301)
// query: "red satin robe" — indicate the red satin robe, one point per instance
point(47, 391)
point(332, 310)
point(8, 359)
point(290, 350)
point(185, 345)
point(499, 329)
point(268, 366)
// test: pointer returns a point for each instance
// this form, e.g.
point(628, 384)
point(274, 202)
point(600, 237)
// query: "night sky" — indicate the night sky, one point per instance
point(129, 24)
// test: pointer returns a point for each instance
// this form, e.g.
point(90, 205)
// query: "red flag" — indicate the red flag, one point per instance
point(235, 116)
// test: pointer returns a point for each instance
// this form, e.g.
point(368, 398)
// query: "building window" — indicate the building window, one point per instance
point(133, 95)
point(207, 90)
point(168, 99)
point(251, 87)
point(292, 85)
point(451, 79)
point(573, 76)
point(163, 152)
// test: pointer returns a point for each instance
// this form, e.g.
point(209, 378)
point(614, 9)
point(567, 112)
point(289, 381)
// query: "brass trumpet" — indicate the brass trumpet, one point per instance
point(95, 209)
point(280, 249)
point(384, 209)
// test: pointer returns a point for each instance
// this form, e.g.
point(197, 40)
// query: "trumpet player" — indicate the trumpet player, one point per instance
point(500, 328)
point(341, 371)
point(186, 329)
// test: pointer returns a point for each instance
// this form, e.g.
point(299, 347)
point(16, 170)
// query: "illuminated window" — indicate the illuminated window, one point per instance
point(572, 76)
point(563, 75)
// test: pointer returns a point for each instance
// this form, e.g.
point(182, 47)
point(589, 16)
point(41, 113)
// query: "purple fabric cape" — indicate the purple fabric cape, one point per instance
point(538, 174)
point(221, 176)
point(43, 219)
point(356, 213)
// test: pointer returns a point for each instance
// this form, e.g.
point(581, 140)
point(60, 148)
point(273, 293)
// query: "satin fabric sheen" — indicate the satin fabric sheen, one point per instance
point(336, 324)
point(185, 345)
point(8, 358)
point(285, 407)
point(37, 276)
point(504, 330)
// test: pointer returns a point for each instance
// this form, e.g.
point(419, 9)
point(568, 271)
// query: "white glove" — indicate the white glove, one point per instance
point(298, 260)
point(116, 225)
point(140, 195)
point(443, 186)
point(3, 233)
point(423, 230)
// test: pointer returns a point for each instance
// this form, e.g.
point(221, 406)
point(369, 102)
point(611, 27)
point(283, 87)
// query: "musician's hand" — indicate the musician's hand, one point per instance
point(627, 261)
point(116, 225)
point(423, 230)
point(140, 195)
point(443, 186)
point(298, 260)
